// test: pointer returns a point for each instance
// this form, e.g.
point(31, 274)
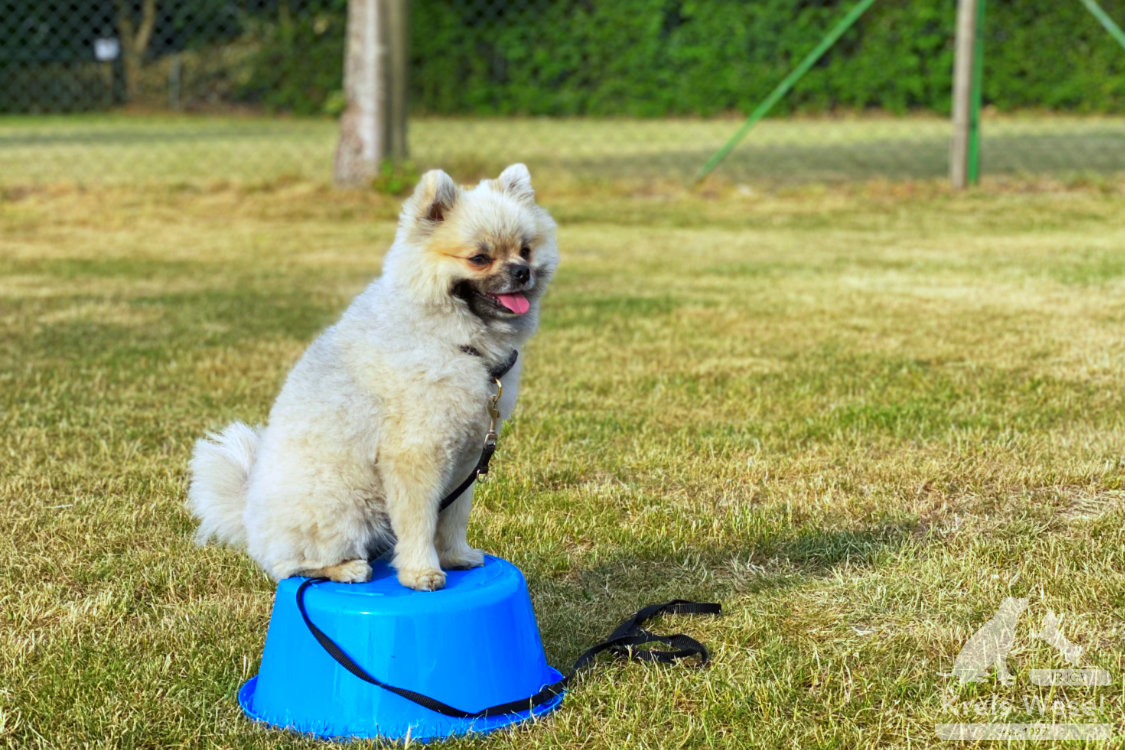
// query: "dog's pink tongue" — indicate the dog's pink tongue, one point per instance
point(517, 303)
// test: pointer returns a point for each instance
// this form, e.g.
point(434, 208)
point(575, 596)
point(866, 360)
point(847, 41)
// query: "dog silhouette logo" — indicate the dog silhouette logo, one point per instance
point(1049, 632)
point(988, 649)
point(989, 646)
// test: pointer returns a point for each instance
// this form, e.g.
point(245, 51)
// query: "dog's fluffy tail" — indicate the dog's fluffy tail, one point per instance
point(220, 467)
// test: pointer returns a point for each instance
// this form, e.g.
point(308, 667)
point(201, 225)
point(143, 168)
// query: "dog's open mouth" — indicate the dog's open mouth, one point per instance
point(493, 304)
point(514, 303)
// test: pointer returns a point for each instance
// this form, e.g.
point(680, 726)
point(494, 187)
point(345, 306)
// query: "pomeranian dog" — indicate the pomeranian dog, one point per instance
point(387, 410)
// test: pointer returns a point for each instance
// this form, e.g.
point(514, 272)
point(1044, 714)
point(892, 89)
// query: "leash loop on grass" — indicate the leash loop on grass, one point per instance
point(622, 642)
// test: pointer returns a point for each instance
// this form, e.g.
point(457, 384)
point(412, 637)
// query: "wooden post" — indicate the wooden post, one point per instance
point(373, 126)
point(965, 49)
point(363, 132)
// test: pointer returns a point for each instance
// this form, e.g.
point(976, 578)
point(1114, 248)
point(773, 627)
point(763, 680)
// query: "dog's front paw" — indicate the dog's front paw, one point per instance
point(462, 558)
point(422, 580)
point(351, 571)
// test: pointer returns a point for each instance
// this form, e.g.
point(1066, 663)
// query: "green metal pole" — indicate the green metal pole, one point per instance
point(786, 84)
point(1103, 17)
point(973, 170)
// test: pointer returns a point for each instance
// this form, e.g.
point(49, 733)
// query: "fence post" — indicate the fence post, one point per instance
point(964, 150)
point(398, 36)
point(363, 132)
point(975, 101)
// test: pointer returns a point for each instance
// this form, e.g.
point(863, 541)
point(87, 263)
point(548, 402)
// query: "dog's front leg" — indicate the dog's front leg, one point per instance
point(412, 480)
point(452, 542)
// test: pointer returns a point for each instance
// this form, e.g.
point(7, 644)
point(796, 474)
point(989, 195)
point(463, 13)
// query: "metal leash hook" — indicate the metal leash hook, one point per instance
point(490, 438)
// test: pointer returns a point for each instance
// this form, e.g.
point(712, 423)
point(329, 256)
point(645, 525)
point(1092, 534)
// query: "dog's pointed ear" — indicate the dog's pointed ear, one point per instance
point(433, 199)
point(516, 182)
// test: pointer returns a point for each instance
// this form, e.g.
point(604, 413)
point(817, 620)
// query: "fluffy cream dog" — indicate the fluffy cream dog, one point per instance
point(387, 410)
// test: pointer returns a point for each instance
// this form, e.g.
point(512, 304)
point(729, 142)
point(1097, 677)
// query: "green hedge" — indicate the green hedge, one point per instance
point(297, 60)
point(55, 87)
point(702, 57)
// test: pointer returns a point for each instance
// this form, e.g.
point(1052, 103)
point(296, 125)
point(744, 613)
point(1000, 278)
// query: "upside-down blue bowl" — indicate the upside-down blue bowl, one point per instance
point(471, 645)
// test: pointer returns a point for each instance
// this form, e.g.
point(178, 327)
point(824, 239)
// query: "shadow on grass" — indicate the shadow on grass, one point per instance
point(585, 605)
point(181, 321)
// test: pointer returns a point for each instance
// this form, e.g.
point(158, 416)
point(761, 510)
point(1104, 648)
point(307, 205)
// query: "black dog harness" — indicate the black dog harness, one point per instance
point(500, 370)
point(622, 642)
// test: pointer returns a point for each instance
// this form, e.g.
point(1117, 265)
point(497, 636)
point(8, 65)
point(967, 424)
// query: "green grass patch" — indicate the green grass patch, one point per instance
point(858, 417)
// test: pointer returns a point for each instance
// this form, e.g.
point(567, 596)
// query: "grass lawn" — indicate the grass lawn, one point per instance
point(858, 417)
point(123, 149)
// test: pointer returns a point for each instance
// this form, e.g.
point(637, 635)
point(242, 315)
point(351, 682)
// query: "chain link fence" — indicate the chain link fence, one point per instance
point(103, 91)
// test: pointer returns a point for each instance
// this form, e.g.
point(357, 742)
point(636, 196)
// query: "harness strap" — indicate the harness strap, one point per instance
point(500, 370)
point(478, 470)
point(622, 642)
point(452, 496)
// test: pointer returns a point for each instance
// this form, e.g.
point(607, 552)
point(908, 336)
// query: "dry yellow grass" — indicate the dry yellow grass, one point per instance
point(858, 417)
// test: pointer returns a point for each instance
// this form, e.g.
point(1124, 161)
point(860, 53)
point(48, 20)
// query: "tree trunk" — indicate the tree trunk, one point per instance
point(134, 41)
point(363, 143)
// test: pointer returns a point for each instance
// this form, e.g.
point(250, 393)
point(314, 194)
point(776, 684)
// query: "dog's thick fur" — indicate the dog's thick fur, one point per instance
point(386, 411)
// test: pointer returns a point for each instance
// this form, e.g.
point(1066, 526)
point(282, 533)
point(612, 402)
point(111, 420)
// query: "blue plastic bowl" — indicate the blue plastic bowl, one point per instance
point(471, 645)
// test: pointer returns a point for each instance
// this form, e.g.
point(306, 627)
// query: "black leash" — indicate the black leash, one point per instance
point(623, 642)
point(481, 468)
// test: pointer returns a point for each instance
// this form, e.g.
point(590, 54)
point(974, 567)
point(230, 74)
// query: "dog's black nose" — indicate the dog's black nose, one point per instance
point(519, 273)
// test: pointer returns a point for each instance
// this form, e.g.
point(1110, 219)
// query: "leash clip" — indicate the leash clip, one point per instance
point(494, 409)
point(490, 438)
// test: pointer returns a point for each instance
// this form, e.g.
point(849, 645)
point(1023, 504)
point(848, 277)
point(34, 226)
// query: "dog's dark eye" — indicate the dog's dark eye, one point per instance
point(480, 260)
point(525, 252)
